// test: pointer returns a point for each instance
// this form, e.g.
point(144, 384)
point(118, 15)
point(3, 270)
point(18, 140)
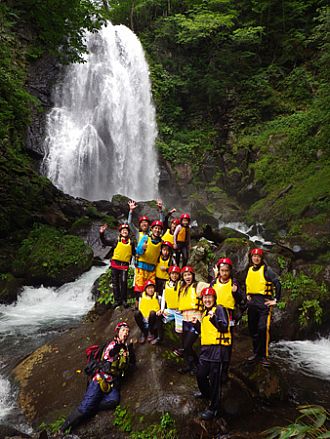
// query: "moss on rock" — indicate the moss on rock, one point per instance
point(51, 257)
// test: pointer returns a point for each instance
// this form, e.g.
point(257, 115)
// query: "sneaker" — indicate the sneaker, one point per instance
point(178, 352)
point(125, 305)
point(115, 305)
point(208, 415)
point(142, 339)
point(199, 395)
point(155, 341)
point(264, 362)
point(252, 358)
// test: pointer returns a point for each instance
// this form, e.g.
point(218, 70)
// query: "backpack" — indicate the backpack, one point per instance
point(94, 359)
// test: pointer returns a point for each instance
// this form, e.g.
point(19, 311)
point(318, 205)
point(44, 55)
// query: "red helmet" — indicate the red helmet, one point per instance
point(188, 269)
point(208, 291)
point(156, 223)
point(257, 251)
point(185, 216)
point(174, 269)
point(147, 283)
point(123, 226)
point(144, 218)
point(167, 243)
point(175, 221)
point(121, 325)
point(226, 261)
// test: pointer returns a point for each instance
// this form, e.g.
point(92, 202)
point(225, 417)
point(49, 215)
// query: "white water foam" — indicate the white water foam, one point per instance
point(311, 358)
point(253, 232)
point(101, 132)
point(25, 325)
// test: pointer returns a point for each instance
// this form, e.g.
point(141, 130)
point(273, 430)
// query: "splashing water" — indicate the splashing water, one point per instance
point(102, 129)
point(38, 314)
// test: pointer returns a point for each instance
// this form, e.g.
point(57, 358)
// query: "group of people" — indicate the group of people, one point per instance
point(166, 290)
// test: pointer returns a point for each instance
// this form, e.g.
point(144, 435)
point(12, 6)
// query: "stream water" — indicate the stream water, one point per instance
point(38, 315)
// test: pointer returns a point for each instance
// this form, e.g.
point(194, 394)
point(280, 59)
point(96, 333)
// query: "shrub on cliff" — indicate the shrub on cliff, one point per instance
point(51, 257)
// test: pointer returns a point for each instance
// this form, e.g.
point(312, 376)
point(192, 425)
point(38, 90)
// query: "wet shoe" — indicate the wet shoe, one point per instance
point(115, 305)
point(208, 415)
point(150, 338)
point(142, 339)
point(264, 362)
point(155, 341)
point(199, 395)
point(252, 359)
point(125, 305)
point(178, 352)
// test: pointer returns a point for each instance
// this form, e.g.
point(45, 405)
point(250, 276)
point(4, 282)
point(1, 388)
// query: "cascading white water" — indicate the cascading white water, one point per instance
point(102, 129)
point(25, 325)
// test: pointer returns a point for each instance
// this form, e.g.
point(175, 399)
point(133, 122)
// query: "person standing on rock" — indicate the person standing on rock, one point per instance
point(147, 252)
point(149, 316)
point(260, 284)
point(169, 228)
point(229, 295)
point(215, 351)
point(103, 391)
point(182, 239)
point(144, 221)
point(122, 255)
point(163, 264)
point(190, 305)
point(170, 302)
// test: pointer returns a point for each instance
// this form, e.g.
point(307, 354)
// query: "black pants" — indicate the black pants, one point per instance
point(160, 285)
point(184, 251)
point(119, 284)
point(155, 324)
point(190, 335)
point(259, 316)
point(209, 381)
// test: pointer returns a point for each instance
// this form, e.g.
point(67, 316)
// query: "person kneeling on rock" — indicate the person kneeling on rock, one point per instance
point(149, 316)
point(215, 351)
point(103, 391)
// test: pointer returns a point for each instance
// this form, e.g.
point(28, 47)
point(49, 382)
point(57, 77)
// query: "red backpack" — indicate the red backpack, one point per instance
point(94, 359)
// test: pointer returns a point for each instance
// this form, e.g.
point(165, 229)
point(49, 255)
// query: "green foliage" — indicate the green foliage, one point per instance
point(166, 429)
point(123, 419)
point(48, 252)
point(54, 426)
point(59, 26)
point(305, 290)
point(312, 423)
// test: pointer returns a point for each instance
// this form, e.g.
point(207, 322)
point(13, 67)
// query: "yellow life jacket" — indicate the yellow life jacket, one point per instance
point(182, 235)
point(189, 300)
point(224, 294)
point(256, 282)
point(148, 304)
point(122, 252)
point(172, 295)
point(168, 237)
point(160, 273)
point(209, 333)
point(151, 254)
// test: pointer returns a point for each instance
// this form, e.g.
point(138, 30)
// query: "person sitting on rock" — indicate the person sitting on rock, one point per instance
point(260, 284)
point(122, 255)
point(182, 239)
point(164, 261)
point(103, 391)
point(215, 351)
point(229, 295)
point(149, 316)
point(170, 302)
point(147, 252)
point(190, 306)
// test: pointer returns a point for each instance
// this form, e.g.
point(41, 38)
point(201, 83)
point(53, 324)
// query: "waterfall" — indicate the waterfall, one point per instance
point(101, 132)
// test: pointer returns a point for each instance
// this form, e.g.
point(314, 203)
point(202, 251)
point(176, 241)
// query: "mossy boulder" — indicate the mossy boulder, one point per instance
point(9, 288)
point(51, 257)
